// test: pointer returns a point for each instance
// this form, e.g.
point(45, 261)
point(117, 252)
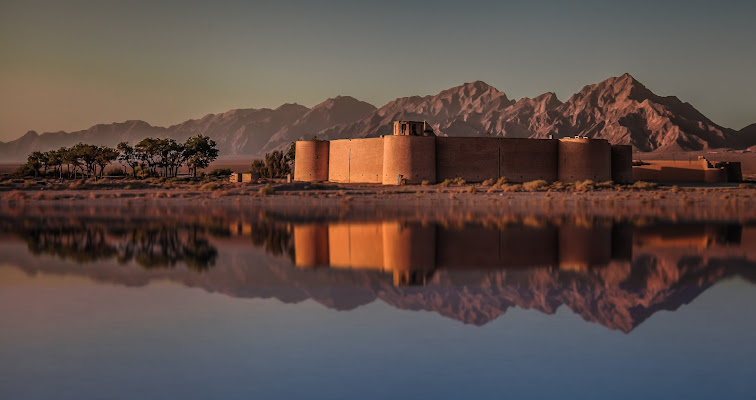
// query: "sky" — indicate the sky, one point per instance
point(67, 65)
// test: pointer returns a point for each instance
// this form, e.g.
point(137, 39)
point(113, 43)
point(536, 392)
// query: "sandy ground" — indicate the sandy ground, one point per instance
point(466, 202)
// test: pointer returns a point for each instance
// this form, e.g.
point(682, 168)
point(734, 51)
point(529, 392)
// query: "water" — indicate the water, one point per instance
point(177, 305)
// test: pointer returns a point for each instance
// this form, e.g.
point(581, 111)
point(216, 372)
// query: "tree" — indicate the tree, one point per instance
point(128, 155)
point(35, 161)
point(148, 150)
point(199, 152)
point(105, 155)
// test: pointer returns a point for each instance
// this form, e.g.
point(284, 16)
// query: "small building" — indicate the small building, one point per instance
point(413, 128)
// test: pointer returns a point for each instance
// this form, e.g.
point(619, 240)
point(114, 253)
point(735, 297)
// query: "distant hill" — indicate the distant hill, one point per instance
point(619, 109)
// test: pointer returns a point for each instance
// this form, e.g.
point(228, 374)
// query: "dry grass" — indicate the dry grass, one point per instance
point(642, 185)
point(502, 181)
point(471, 189)
point(585, 186)
point(534, 186)
point(489, 182)
point(425, 183)
point(210, 186)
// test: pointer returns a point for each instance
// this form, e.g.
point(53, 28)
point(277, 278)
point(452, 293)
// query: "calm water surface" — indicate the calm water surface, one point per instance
point(259, 307)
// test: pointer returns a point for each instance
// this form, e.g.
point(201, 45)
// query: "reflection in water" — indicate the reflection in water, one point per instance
point(616, 274)
point(413, 251)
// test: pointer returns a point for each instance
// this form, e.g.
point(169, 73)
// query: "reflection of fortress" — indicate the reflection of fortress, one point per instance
point(468, 269)
point(413, 251)
point(414, 154)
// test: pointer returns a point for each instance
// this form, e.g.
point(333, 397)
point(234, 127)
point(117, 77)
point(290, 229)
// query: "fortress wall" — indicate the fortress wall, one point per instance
point(311, 161)
point(524, 160)
point(338, 160)
point(732, 169)
point(622, 163)
point(412, 156)
point(581, 247)
point(311, 245)
point(472, 159)
point(366, 160)
point(715, 175)
point(409, 250)
point(584, 159)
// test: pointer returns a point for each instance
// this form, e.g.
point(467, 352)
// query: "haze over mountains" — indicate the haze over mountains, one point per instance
point(619, 109)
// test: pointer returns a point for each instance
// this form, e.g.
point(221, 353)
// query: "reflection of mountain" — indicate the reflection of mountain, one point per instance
point(670, 266)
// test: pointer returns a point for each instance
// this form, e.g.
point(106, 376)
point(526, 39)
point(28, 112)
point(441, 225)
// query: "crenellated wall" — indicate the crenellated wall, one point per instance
point(434, 159)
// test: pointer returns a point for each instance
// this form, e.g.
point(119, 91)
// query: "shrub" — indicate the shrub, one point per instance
point(472, 189)
point(115, 172)
point(585, 186)
point(502, 181)
point(458, 181)
point(644, 185)
point(267, 189)
point(28, 183)
point(425, 183)
point(220, 172)
point(534, 186)
point(489, 182)
point(210, 186)
point(445, 183)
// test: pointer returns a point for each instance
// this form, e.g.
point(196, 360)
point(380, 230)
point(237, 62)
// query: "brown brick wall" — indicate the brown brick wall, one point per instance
point(525, 160)
point(584, 159)
point(622, 163)
point(311, 161)
point(472, 159)
point(366, 160)
point(412, 156)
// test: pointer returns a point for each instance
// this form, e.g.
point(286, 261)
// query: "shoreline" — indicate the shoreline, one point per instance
point(466, 202)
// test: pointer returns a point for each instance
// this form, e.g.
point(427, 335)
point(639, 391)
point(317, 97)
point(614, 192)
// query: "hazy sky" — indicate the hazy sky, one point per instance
point(68, 65)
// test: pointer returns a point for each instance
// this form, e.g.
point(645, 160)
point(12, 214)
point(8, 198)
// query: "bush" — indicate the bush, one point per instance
point(267, 189)
point(644, 185)
point(221, 172)
point(425, 183)
point(585, 186)
point(534, 186)
point(472, 189)
point(489, 182)
point(28, 183)
point(445, 183)
point(210, 186)
point(502, 181)
point(115, 172)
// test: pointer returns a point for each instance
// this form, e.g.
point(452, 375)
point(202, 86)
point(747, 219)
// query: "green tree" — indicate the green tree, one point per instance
point(199, 152)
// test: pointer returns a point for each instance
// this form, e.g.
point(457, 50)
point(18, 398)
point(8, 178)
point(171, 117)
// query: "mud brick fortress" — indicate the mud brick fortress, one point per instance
point(414, 154)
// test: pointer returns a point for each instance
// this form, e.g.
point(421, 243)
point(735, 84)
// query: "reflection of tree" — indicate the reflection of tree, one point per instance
point(74, 243)
point(161, 246)
point(149, 244)
point(275, 239)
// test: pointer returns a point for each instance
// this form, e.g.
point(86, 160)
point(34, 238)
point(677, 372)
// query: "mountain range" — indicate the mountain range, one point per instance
point(619, 109)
